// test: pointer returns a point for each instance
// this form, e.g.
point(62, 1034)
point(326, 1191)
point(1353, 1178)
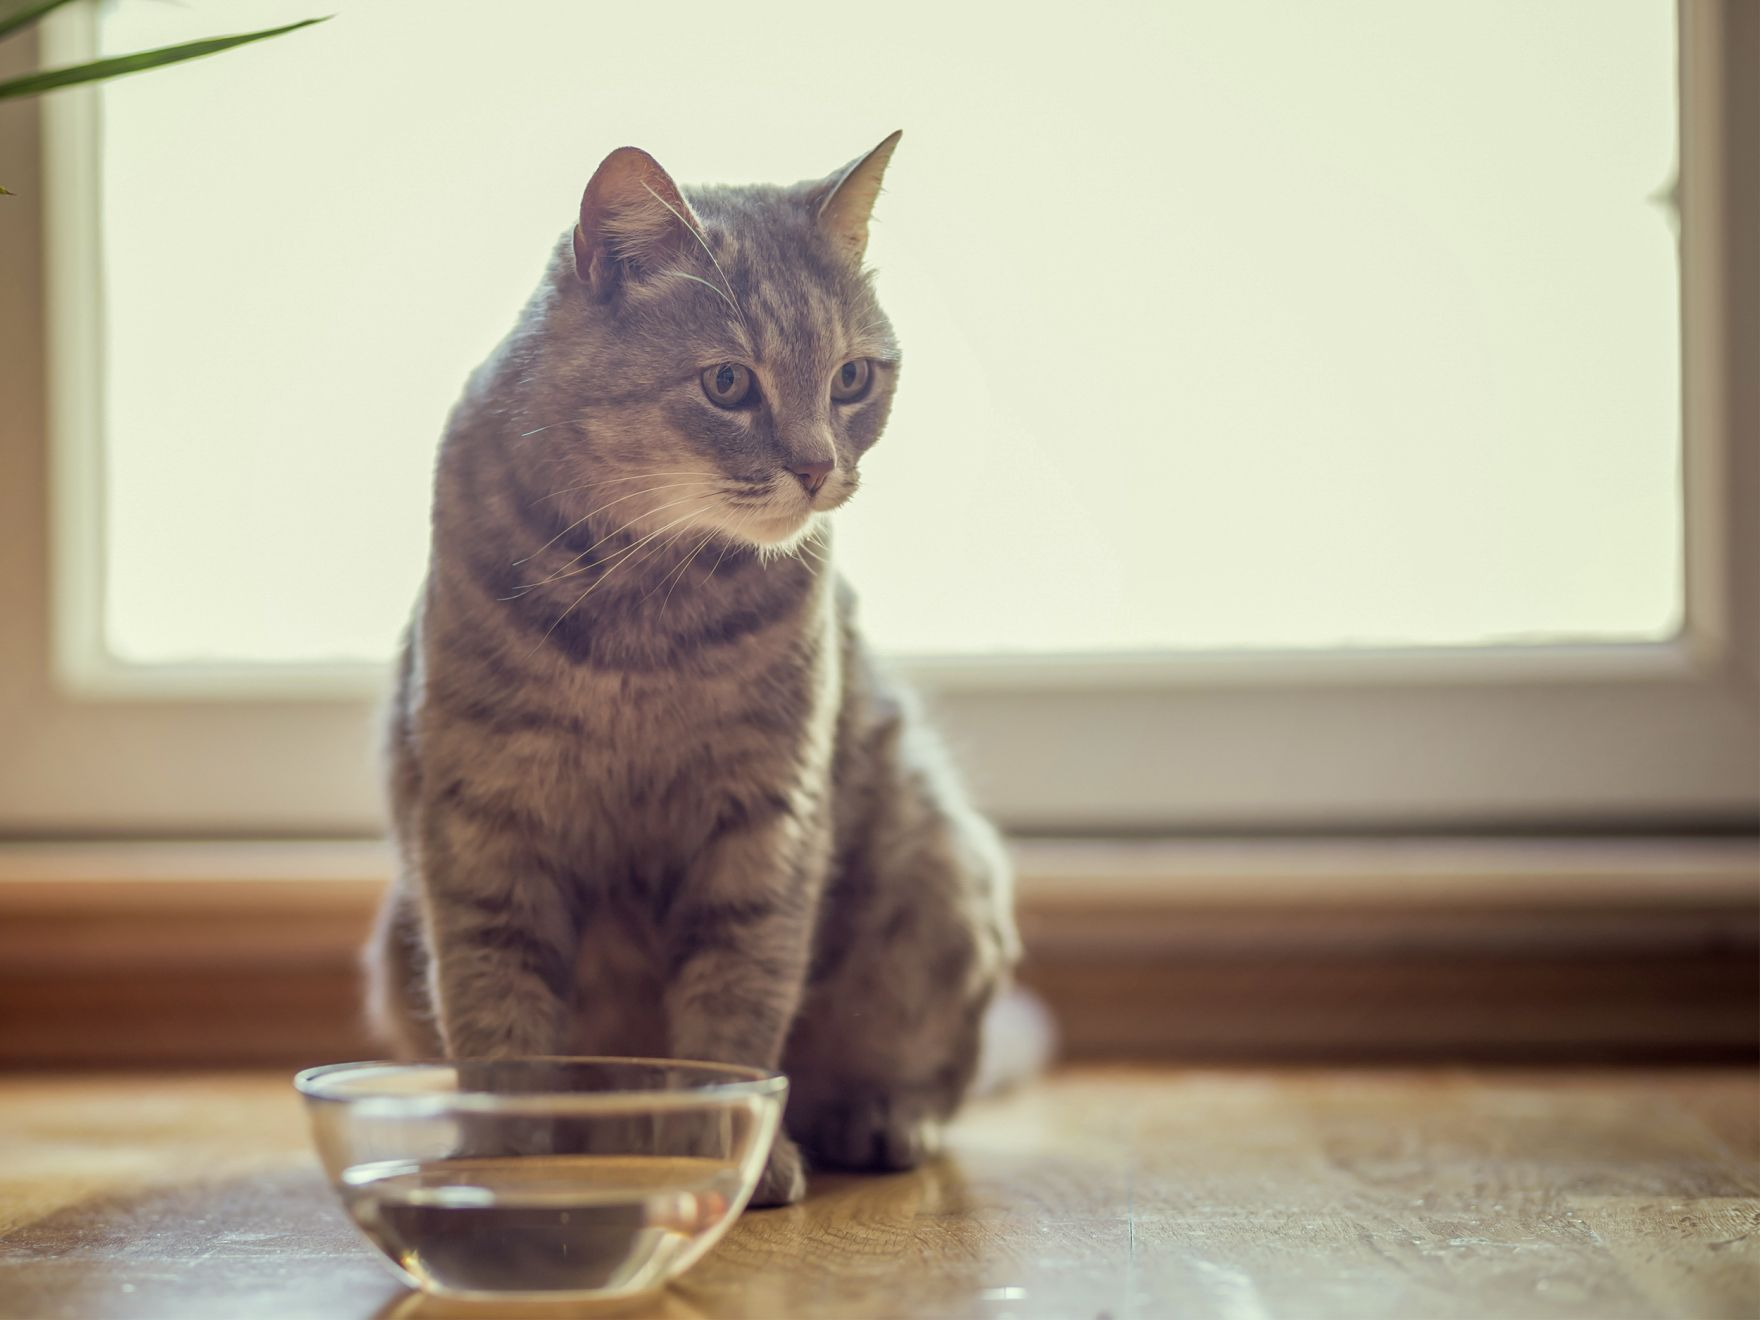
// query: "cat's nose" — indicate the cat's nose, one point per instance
point(812, 475)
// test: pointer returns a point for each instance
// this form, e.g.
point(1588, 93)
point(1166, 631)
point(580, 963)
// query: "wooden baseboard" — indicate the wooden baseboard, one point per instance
point(226, 953)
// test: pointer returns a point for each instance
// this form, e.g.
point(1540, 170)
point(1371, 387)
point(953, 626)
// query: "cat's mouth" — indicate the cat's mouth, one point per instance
point(781, 529)
point(783, 518)
point(833, 495)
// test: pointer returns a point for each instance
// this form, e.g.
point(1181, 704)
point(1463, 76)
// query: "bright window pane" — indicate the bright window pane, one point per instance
point(1261, 324)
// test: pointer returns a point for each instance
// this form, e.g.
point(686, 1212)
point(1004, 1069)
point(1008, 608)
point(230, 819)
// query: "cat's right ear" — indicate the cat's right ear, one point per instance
point(633, 219)
point(848, 197)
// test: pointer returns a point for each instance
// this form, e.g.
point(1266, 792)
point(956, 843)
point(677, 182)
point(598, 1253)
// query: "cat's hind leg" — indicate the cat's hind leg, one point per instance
point(916, 940)
point(398, 1010)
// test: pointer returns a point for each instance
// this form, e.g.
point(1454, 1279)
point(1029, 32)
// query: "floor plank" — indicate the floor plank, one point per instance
point(1119, 1193)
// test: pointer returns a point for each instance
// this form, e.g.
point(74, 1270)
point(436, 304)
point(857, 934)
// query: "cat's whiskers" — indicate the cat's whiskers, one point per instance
point(730, 537)
point(678, 575)
point(612, 565)
point(567, 570)
point(736, 530)
point(662, 549)
point(709, 252)
point(698, 279)
point(651, 490)
point(613, 481)
point(618, 557)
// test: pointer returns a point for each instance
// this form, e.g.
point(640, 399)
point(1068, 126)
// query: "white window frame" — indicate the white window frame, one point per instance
point(1661, 735)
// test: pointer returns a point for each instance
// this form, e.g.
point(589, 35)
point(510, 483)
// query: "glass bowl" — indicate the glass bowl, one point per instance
point(543, 1177)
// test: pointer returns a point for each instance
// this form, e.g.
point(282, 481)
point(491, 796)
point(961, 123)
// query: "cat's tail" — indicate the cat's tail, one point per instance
point(1018, 1044)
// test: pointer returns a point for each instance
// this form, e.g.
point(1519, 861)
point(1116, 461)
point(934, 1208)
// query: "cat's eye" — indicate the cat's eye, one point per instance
point(850, 381)
point(727, 384)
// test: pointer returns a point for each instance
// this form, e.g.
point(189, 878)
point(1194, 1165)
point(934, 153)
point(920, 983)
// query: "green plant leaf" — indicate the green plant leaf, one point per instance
point(31, 84)
point(26, 14)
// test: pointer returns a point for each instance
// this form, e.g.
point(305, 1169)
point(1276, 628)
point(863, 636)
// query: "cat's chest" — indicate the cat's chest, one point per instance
point(627, 758)
point(646, 764)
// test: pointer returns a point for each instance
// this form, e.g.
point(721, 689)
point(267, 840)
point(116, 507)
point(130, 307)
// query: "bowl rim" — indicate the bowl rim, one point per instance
point(743, 1083)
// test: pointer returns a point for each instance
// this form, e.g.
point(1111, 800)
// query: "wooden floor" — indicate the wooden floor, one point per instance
point(1098, 1193)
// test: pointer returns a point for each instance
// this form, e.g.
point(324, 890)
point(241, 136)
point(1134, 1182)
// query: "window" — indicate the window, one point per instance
point(1292, 431)
point(1210, 374)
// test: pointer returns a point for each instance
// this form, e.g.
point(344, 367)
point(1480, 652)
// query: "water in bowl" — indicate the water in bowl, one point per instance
point(597, 1224)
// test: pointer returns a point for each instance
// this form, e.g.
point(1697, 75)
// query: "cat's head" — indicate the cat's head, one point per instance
point(729, 363)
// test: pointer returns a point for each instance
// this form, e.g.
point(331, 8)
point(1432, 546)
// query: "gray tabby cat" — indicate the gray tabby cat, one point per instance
point(651, 795)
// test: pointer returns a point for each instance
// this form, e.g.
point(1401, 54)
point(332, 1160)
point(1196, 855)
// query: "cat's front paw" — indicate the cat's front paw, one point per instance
point(785, 1176)
point(876, 1132)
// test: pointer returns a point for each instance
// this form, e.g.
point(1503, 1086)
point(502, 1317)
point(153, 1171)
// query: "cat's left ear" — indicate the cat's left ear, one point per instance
point(633, 220)
point(849, 197)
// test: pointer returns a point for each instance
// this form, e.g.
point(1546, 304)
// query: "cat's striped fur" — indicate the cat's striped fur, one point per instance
point(650, 794)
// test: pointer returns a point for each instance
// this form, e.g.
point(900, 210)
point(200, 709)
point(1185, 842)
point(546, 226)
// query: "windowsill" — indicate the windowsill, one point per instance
point(116, 952)
point(1173, 873)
